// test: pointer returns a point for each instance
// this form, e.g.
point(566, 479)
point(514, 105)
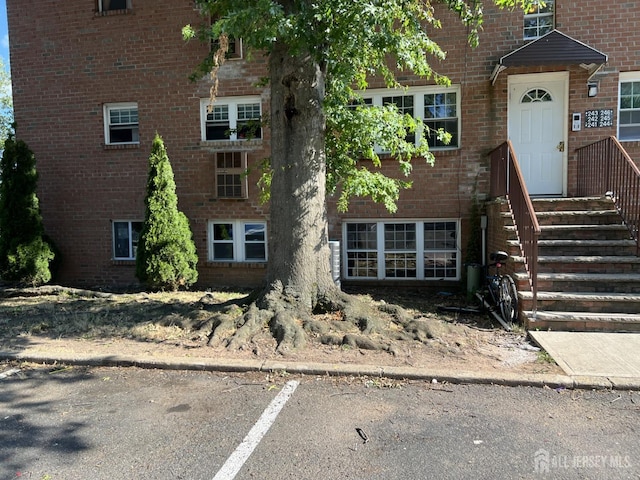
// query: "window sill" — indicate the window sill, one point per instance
point(121, 146)
point(231, 145)
point(122, 261)
point(109, 13)
point(251, 265)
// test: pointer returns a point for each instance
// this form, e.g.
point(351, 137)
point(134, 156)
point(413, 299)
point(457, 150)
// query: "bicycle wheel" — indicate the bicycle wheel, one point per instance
point(508, 299)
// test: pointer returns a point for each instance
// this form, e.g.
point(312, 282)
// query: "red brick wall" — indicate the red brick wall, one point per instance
point(67, 62)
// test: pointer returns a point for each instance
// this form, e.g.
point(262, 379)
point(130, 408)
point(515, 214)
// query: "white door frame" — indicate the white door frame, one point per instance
point(542, 78)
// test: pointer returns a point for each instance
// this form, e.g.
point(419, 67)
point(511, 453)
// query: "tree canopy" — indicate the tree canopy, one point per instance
point(351, 42)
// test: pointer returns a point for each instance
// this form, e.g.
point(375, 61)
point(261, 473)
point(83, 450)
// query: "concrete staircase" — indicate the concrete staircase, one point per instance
point(588, 270)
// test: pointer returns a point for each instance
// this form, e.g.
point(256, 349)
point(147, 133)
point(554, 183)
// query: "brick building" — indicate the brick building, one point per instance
point(94, 80)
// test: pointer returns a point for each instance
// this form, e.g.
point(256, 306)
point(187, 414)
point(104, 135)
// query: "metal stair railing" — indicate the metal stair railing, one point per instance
point(507, 181)
point(605, 168)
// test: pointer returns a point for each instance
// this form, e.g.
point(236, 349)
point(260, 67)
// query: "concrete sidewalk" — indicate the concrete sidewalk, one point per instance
point(588, 360)
point(607, 359)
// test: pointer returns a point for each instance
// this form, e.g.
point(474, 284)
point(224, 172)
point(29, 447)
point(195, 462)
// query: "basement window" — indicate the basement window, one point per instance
point(418, 250)
point(237, 241)
point(126, 234)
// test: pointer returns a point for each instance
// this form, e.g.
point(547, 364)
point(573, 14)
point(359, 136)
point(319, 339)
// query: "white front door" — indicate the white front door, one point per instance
point(538, 129)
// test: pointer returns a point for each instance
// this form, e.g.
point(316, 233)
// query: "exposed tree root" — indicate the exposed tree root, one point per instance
point(339, 319)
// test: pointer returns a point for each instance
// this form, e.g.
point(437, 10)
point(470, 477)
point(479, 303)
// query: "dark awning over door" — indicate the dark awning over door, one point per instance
point(552, 49)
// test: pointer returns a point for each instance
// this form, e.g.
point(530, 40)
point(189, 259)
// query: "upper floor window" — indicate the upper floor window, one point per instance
point(629, 111)
point(231, 118)
point(125, 239)
point(539, 19)
point(235, 48)
point(121, 123)
point(231, 178)
point(438, 108)
point(107, 5)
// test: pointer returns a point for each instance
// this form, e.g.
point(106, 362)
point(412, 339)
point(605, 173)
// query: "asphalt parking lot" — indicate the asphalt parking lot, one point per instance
point(105, 423)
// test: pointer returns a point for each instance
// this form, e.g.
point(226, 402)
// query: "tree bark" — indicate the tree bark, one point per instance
point(299, 266)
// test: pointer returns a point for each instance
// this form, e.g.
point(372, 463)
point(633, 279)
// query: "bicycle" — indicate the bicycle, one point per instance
point(501, 290)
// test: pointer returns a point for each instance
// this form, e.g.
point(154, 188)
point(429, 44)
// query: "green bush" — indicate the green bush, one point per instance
point(166, 257)
point(25, 254)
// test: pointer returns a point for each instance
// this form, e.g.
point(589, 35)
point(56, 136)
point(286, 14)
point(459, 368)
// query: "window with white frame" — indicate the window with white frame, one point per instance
point(237, 241)
point(231, 118)
point(629, 107)
point(539, 19)
point(126, 234)
point(234, 51)
point(121, 123)
point(107, 5)
point(231, 178)
point(437, 107)
point(421, 250)
point(441, 112)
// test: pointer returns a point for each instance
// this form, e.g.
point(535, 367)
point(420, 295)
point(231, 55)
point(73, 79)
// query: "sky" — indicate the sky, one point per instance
point(4, 36)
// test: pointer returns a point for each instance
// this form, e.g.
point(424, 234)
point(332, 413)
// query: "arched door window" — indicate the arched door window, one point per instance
point(536, 95)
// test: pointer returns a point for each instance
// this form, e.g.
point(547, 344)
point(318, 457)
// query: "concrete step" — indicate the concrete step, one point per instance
point(605, 302)
point(581, 282)
point(588, 264)
point(582, 321)
point(584, 232)
point(579, 217)
point(572, 204)
point(585, 247)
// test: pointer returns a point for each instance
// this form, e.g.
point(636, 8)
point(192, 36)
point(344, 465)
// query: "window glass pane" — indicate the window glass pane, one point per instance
point(121, 239)
point(229, 160)
point(625, 102)
point(136, 228)
point(223, 231)
point(223, 251)
point(630, 132)
point(362, 264)
point(248, 111)
point(254, 232)
point(400, 265)
point(449, 126)
point(440, 265)
point(220, 113)
point(400, 236)
point(229, 185)
point(114, 4)
point(440, 236)
point(362, 236)
point(254, 251)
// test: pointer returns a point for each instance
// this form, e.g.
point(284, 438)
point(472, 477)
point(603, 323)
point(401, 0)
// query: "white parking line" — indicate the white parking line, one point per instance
point(235, 462)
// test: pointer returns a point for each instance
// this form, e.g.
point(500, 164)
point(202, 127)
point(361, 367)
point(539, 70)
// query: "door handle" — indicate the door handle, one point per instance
point(560, 147)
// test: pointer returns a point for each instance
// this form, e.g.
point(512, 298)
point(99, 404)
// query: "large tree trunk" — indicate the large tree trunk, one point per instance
point(299, 264)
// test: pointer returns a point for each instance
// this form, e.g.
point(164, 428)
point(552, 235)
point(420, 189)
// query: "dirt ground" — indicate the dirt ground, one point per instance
point(60, 320)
